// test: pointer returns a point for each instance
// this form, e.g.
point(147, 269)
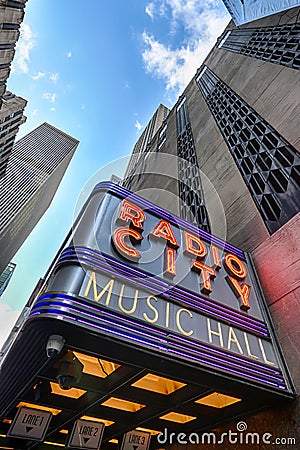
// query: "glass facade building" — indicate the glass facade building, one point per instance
point(5, 277)
point(35, 169)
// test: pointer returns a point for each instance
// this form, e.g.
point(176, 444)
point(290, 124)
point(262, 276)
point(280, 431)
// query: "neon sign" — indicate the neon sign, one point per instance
point(125, 240)
point(135, 273)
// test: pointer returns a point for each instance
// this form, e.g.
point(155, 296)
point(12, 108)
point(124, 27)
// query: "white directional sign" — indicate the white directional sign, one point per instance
point(136, 440)
point(30, 423)
point(86, 434)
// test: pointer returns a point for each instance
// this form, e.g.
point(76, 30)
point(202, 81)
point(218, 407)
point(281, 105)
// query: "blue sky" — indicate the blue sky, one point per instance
point(98, 71)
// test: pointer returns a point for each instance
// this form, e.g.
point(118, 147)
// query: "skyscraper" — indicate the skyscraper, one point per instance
point(142, 145)
point(35, 169)
point(6, 276)
point(11, 117)
point(11, 17)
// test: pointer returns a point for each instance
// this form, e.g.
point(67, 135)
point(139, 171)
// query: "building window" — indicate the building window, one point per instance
point(269, 165)
point(15, 4)
point(10, 26)
point(162, 137)
point(192, 206)
point(278, 45)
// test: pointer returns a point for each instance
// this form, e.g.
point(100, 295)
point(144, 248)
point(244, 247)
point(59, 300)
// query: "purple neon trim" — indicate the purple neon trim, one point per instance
point(132, 323)
point(100, 259)
point(139, 273)
point(116, 189)
point(78, 319)
point(146, 342)
point(175, 293)
point(103, 258)
point(151, 330)
point(224, 317)
point(176, 290)
point(229, 370)
point(113, 272)
point(97, 310)
point(222, 353)
point(248, 369)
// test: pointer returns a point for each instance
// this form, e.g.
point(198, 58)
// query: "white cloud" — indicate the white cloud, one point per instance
point(8, 318)
point(34, 112)
point(52, 109)
point(69, 54)
point(202, 22)
point(38, 76)
point(54, 77)
point(51, 97)
point(82, 107)
point(25, 43)
point(150, 10)
point(138, 125)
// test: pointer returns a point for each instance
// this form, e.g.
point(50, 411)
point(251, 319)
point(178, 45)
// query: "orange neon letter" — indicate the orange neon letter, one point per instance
point(242, 292)
point(131, 212)
point(170, 262)
point(207, 273)
point(216, 257)
point(164, 230)
point(194, 245)
point(118, 239)
point(234, 266)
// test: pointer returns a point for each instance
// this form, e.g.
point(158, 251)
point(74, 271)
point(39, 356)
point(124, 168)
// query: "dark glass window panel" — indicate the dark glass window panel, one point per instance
point(268, 163)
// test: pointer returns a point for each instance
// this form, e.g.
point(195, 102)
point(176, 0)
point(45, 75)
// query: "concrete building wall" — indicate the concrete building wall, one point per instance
point(272, 90)
point(11, 117)
point(11, 17)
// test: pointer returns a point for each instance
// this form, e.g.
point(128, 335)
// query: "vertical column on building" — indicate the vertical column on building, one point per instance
point(269, 165)
point(192, 206)
point(275, 44)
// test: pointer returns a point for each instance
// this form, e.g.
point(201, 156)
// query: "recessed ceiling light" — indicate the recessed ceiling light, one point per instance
point(72, 393)
point(96, 366)
point(54, 443)
point(54, 411)
point(147, 430)
point(177, 417)
point(124, 405)
point(218, 400)
point(106, 422)
point(158, 384)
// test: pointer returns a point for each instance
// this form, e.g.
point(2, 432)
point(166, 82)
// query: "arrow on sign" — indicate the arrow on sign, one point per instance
point(85, 440)
point(28, 429)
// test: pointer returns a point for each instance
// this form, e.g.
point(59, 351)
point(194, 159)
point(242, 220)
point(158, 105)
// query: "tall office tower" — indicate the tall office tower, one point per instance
point(5, 276)
point(142, 145)
point(11, 117)
point(11, 16)
point(35, 169)
point(235, 132)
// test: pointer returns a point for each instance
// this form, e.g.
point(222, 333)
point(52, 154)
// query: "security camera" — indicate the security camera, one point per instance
point(54, 345)
point(69, 372)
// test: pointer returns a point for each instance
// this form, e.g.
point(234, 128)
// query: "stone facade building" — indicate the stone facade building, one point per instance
point(229, 163)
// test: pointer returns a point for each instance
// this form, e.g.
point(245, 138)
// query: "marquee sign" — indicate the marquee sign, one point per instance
point(136, 273)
